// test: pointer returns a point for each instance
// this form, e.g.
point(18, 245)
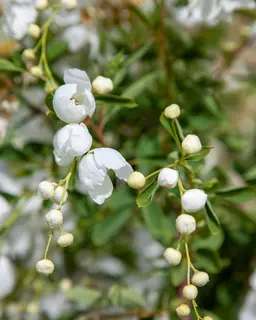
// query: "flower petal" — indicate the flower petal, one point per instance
point(79, 77)
point(66, 109)
point(7, 276)
point(90, 173)
point(100, 193)
point(112, 159)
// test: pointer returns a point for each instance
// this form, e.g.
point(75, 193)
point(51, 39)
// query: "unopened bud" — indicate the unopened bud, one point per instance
point(185, 224)
point(65, 240)
point(183, 310)
point(34, 30)
point(36, 71)
point(191, 144)
point(65, 284)
point(54, 218)
point(102, 85)
point(136, 180)
point(69, 4)
point(190, 292)
point(58, 194)
point(45, 266)
point(29, 54)
point(172, 256)
point(41, 4)
point(193, 200)
point(207, 318)
point(168, 178)
point(172, 112)
point(45, 190)
point(200, 278)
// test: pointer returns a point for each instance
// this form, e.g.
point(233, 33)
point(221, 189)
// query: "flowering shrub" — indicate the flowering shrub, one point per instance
point(127, 171)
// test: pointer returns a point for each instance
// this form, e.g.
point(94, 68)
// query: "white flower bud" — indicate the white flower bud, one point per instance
point(172, 256)
point(102, 85)
point(69, 4)
point(185, 224)
point(65, 240)
point(200, 279)
point(191, 144)
point(36, 71)
point(207, 318)
point(65, 284)
point(45, 266)
point(193, 200)
point(58, 195)
point(54, 218)
point(172, 112)
point(29, 54)
point(168, 178)
point(34, 30)
point(190, 292)
point(183, 310)
point(41, 4)
point(136, 180)
point(45, 190)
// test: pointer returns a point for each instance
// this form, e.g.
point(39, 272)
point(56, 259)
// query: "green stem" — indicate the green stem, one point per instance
point(195, 309)
point(188, 262)
point(48, 243)
point(67, 179)
point(156, 172)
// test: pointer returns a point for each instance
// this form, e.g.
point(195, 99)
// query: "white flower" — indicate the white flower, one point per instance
point(65, 240)
point(58, 195)
point(93, 172)
point(5, 210)
point(172, 256)
point(73, 101)
point(200, 278)
point(71, 141)
point(18, 16)
point(41, 4)
point(185, 224)
point(7, 276)
point(210, 12)
point(183, 310)
point(191, 144)
point(136, 180)
point(54, 218)
point(45, 190)
point(45, 266)
point(193, 200)
point(172, 112)
point(102, 85)
point(168, 178)
point(190, 292)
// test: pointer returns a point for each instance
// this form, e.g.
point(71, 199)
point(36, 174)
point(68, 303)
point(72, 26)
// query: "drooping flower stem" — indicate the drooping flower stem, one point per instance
point(48, 243)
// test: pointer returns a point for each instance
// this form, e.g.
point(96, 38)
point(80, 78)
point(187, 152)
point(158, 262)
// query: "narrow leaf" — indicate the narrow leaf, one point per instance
point(146, 196)
point(242, 194)
point(6, 65)
point(199, 155)
point(112, 100)
point(85, 296)
point(56, 50)
point(211, 219)
point(107, 228)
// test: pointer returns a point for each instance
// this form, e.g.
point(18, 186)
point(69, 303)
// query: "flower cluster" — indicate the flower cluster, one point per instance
point(192, 201)
point(73, 102)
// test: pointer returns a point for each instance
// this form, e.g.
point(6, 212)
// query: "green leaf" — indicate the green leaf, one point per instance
point(242, 194)
point(125, 297)
point(212, 242)
point(113, 100)
point(211, 219)
point(145, 197)
point(6, 65)
point(178, 274)
point(161, 228)
point(210, 261)
point(199, 155)
point(85, 296)
point(173, 127)
point(107, 228)
point(56, 49)
point(166, 124)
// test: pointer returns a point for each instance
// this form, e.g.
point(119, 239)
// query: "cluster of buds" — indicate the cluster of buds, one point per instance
point(58, 194)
